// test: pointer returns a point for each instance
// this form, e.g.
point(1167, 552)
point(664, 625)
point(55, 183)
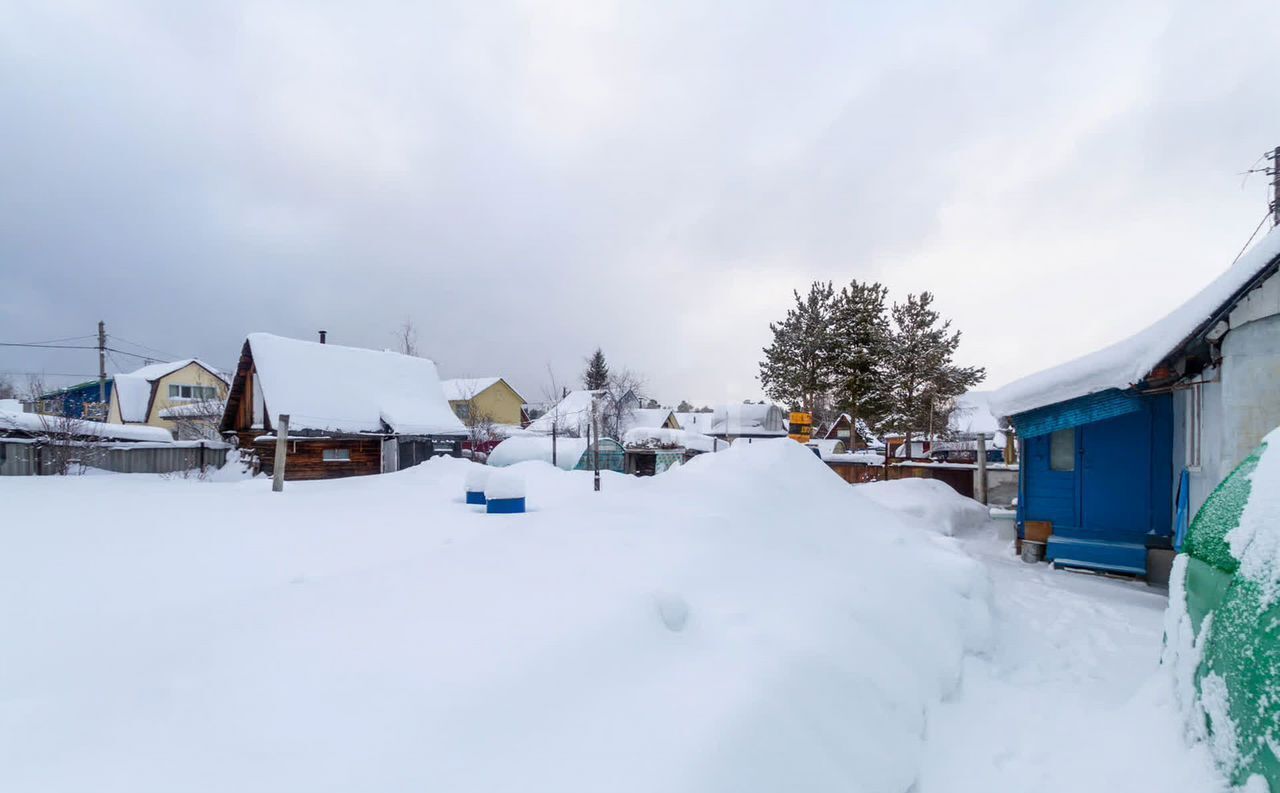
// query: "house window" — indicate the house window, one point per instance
point(337, 455)
point(1193, 422)
point(1062, 450)
point(192, 392)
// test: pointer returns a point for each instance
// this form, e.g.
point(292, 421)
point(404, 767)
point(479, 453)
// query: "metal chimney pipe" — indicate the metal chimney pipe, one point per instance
point(323, 333)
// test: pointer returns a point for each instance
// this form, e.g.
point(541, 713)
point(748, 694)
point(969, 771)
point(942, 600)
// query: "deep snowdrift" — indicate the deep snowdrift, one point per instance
point(930, 503)
point(745, 622)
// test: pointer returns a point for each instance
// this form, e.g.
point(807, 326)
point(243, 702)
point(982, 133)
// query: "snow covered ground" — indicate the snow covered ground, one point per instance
point(746, 622)
point(1071, 696)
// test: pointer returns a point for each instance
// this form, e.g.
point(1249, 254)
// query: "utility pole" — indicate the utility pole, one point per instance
point(102, 365)
point(596, 449)
point(282, 451)
point(1275, 186)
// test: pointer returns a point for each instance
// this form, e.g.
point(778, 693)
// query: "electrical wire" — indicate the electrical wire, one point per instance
point(143, 346)
point(1251, 236)
point(47, 346)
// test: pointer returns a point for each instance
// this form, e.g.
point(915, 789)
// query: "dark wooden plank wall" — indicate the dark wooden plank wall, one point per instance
point(306, 458)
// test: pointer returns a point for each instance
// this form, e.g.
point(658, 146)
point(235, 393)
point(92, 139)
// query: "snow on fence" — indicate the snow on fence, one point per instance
point(21, 457)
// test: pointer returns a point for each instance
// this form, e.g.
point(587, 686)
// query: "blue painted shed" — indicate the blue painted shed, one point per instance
point(1100, 469)
point(77, 401)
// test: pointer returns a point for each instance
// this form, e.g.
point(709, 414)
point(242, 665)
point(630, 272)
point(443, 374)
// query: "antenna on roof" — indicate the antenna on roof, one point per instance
point(323, 333)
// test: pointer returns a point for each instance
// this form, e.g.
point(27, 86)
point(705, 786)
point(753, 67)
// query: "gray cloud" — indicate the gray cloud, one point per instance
point(529, 182)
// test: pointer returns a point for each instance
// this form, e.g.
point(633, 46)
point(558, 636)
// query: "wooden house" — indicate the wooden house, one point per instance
point(351, 411)
point(152, 394)
point(1120, 446)
point(489, 399)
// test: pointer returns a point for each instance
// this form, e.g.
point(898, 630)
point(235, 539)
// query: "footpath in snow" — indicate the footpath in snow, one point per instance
point(1070, 696)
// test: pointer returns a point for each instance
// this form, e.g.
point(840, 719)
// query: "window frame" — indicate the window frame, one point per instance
point(1055, 437)
point(1193, 428)
point(341, 455)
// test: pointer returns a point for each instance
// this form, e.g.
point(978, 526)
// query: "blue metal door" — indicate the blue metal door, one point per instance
point(1115, 477)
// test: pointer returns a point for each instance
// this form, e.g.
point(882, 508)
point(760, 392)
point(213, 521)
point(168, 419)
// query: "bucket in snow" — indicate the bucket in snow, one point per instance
point(1032, 551)
point(504, 493)
point(477, 477)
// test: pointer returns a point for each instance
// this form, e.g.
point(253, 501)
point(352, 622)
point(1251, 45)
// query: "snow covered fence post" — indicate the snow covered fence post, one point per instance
point(282, 451)
point(477, 477)
point(504, 493)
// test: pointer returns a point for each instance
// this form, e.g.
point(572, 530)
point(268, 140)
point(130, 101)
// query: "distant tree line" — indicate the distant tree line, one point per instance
point(890, 367)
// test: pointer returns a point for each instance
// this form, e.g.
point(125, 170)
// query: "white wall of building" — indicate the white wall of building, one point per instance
point(1240, 399)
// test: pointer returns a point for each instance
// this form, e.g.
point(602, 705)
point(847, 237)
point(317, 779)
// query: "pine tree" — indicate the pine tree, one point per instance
point(921, 374)
point(797, 366)
point(684, 407)
point(596, 375)
point(860, 342)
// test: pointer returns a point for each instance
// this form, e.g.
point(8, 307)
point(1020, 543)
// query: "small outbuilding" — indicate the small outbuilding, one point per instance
point(351, 411)
point(1119, 446)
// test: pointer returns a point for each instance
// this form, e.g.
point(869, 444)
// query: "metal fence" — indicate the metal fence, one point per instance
point(28, 458)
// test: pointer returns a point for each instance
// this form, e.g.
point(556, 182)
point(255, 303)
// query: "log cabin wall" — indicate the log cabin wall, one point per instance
point(306, 457)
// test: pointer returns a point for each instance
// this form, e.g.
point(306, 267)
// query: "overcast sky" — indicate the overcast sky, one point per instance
point(529, 180)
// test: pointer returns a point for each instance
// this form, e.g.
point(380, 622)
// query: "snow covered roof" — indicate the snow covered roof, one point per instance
point(653, 437)
point(1128, 362)
point(332, 388)
point(755, 420)
point(972, 414)
point(648, 417)
point(573, 412)
point(828, 446)
point(36, 424)
point(133, 389)
point(568, 451)
point(696, 422)
point(460, 389)
point(213, 407)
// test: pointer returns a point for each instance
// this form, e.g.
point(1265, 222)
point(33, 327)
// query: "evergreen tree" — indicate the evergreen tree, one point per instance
point(921, 375)
point(684, 407)
point(596, 375)
point(797, 366)
point(860, 342)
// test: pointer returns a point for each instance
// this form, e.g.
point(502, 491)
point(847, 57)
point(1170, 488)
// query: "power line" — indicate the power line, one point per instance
point(47, 346)
point(55, 341)
point(143, 346)
point(1251, 236)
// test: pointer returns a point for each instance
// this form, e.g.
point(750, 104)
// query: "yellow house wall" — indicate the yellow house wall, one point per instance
point(191, 374)
point(499, 402)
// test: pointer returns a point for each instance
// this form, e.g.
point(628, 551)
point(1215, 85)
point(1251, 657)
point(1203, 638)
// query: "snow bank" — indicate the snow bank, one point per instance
point(689, 632)
point(1127, 362)
point(477, 477)
point(933, 504)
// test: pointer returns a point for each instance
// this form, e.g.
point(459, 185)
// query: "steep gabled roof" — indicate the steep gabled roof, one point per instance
point(460, 389)
point(332, 388)
point(1128, 362)
point(133, 389)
